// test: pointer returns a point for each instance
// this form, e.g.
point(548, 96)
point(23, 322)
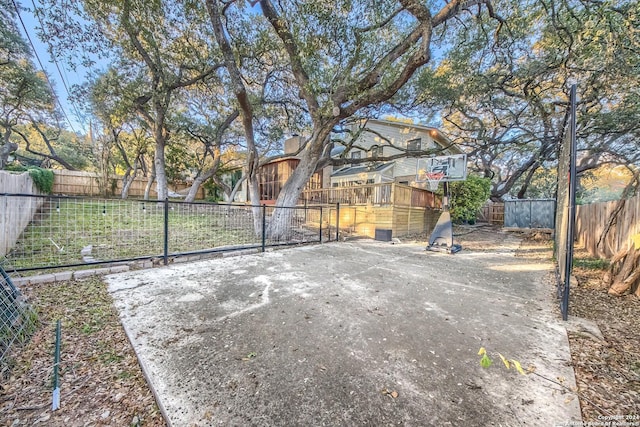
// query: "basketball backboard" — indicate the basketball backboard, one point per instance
point(452, 168)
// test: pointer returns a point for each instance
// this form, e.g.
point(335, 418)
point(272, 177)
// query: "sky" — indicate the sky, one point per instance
point(59, 76)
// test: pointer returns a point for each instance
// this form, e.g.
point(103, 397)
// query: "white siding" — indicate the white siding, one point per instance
point(405, 167)
point(396, 134)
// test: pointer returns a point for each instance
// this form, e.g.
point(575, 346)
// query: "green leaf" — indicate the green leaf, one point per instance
point(485, 362)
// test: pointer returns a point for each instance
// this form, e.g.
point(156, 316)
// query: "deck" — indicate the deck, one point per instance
point(402, 209)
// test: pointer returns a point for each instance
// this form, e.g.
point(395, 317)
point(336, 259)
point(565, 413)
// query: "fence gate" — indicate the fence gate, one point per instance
point(530, 213)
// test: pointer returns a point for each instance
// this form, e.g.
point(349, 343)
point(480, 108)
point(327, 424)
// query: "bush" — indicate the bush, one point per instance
point(467, 197)
point(42, 178)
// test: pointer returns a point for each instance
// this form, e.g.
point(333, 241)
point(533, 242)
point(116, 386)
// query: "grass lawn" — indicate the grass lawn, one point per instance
point(63, 230)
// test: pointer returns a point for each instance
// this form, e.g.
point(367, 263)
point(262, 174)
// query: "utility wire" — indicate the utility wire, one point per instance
point(53, 92)
point(55, 61)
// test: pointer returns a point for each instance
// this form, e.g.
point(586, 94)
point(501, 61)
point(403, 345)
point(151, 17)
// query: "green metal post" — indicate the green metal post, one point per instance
point(166, 232)
point(56, 362)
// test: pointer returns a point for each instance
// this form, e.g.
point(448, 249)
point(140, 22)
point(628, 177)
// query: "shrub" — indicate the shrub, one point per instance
point(467, 197)
point(42, 178)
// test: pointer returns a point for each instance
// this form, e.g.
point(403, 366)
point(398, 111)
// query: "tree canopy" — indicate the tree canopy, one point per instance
point(504, 95)
point(494, 74)
point(29, 119)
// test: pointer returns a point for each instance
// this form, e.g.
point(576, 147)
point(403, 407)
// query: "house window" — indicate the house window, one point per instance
point(356, 154)
point(375, 151)
point(414, 144)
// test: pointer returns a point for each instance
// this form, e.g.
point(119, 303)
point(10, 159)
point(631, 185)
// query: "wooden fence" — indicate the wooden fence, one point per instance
point(492, 212)
point(592, 219)
point(77, 183)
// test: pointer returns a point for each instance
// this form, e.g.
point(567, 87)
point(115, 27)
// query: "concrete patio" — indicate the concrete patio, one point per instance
point(353, 333)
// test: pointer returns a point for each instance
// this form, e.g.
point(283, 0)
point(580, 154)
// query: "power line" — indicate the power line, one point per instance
point(60, 73)
point(35, 53)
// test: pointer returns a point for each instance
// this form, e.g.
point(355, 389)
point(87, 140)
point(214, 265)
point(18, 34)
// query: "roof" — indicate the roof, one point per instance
point(435, 133)
point(355, 170)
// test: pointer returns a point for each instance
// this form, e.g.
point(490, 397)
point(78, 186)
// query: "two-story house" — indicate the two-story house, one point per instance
point(394, 149)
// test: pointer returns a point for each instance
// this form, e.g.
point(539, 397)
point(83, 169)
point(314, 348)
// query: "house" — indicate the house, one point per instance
point(275, 173)
point(378, 139)
point(398, 141)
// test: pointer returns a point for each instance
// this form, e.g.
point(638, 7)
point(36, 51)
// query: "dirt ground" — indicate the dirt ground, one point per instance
point(100, 363)
point(103, 383)
point(607, 370)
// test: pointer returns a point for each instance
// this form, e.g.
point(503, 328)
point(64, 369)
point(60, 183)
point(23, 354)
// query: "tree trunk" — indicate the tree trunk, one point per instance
point(236, 188)
point(152, 178)
point(160, 173)
point(623, 275)
point(193, 191)
point(240, 92)
point(254, 199)
point(127, 179)
point(294, 186)
point(525, 186)
point(5, 150)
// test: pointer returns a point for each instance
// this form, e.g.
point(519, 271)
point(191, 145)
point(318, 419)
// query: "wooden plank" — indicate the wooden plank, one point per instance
point(77, 183)
point(591, 221)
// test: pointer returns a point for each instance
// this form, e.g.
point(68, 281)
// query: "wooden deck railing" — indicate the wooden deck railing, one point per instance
point(373, 194)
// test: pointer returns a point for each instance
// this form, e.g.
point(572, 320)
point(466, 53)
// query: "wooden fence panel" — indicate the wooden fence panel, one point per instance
point(492, 212)
point(79, 183)
point(592, 219)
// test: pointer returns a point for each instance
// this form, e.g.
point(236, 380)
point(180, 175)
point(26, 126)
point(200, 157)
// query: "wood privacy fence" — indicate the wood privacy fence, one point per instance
point(592, 219)
point(77, 183)
point(492, 212)
point(15, 214)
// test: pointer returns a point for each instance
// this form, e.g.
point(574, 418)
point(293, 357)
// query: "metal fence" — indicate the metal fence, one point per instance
point(71, 232)
point(530, 213)
point(566, 210)
point(17, 318)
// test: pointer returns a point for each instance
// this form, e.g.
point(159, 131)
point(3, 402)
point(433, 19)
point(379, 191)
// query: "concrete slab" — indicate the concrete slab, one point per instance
point(356, 333)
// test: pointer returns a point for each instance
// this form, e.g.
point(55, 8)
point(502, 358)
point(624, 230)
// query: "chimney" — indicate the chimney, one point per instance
point(292, 145)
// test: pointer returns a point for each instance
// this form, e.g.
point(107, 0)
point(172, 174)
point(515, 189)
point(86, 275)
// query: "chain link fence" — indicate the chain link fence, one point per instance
point(17, 318)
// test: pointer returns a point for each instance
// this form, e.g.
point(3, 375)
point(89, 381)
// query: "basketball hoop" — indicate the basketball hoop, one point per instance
point(434, 178)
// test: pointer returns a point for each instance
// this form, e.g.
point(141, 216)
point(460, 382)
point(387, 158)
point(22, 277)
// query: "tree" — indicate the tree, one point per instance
point(161, 46)
point(468, 196)
point(259, 81)
point(207, 126)
point(505, 97)
point(24, 92)
point(341, 61)
point(50, 146)
point(126, 139)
